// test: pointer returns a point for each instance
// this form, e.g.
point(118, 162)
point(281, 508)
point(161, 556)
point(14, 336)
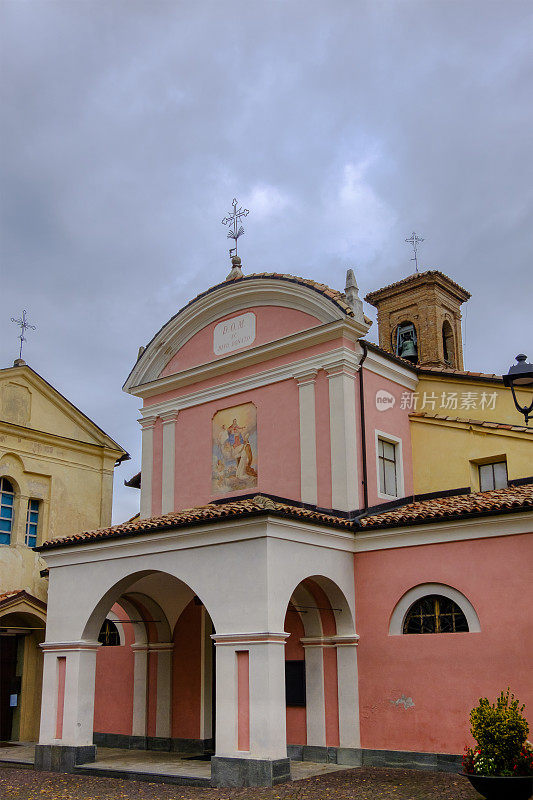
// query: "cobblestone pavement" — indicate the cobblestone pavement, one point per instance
point(369, 783)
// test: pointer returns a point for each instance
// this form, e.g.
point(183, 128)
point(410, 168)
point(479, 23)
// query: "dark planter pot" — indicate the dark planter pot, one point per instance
point(500, 787)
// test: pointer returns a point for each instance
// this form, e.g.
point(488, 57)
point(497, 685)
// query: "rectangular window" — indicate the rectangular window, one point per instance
point(32, 520)
point(295, 683)
point(493, 476)
point(7, 497)
point(388, 482)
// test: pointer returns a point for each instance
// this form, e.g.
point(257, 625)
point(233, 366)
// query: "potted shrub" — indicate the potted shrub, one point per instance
point(501, 766)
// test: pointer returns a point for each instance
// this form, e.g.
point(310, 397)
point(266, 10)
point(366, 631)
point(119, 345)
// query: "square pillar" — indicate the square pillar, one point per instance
point(147, 465)
point(314, 687)
point(164, 688)
point(348, 689)
point(251, 740)
point(67, 712)
point(140, 679)
point(343, 436)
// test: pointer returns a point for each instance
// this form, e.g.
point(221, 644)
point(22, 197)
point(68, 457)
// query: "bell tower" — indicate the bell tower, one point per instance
point(419, 318)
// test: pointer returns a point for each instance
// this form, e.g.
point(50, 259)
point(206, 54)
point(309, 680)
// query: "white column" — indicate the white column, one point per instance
point(267, 710)
point(169, 459)
point(164, 687)
point(77, 700)
point(140, 688)
point(314, 689)
point(343, 435)
point(308, 473)
point(147, 465)
point(348, 690)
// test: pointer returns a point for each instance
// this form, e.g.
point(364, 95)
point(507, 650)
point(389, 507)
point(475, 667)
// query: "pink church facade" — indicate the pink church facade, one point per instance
point(258, 607)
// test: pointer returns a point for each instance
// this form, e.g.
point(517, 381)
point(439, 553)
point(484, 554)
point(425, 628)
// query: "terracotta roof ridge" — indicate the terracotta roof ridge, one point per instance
point(413, 277)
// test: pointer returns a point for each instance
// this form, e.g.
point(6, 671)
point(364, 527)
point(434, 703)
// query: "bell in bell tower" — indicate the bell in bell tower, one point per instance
point(419, 319)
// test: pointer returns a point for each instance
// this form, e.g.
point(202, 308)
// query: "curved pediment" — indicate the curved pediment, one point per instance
point(316, 303)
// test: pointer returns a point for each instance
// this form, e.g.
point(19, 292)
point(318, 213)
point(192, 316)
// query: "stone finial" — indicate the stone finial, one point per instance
point(142, 348)
point(19, 362)
point(236, 271)
point(351, 291)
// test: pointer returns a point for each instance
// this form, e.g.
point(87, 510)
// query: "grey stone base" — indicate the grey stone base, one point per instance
point(239, 772)
point(124, 742)
point(62, 758)
point(354, 757)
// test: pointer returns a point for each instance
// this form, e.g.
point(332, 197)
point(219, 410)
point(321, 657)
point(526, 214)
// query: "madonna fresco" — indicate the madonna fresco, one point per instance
point(234, 449)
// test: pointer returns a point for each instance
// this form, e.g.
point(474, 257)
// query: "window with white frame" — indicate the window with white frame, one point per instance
point(493, 476)
point(32, 521)
point(7, 500)
point(388, 468)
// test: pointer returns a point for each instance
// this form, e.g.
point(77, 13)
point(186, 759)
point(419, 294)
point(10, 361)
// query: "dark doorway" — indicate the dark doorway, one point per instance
point(9, 684)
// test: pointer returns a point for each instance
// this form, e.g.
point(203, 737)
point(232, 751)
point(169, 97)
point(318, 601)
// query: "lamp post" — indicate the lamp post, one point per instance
point(521, 375)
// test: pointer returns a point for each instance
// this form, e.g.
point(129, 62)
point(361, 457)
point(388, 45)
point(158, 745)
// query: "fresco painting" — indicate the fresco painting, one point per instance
point(235, 449)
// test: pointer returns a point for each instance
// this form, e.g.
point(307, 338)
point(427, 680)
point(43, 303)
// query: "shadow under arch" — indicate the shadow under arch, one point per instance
point(128, 587)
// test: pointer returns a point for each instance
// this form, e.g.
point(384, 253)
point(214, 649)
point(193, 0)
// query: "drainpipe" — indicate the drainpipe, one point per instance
point(363, 425)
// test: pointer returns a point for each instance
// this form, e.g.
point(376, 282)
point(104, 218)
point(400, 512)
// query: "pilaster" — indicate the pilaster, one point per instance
point(343, 435)
point(169, 419)
point(147, 465)
point(308, 469)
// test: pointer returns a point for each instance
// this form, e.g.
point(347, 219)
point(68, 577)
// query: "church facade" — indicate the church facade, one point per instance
point(288, 590)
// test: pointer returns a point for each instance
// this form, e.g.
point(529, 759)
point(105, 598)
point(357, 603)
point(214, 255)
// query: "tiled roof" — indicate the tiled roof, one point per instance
point(20, 594)
point(500, 501)
point(337, 297)
point(514, 498)
point(212, 512)
point(460, 373)
point(484, 423)
point(417, 277)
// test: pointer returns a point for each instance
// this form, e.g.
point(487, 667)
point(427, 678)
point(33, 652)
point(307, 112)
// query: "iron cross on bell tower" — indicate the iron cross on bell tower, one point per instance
point(236, 229)
point(414, 241)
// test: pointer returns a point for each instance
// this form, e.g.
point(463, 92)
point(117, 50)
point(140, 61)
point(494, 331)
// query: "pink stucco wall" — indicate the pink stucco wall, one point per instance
point(444, 674)
point(394, 421)
point(278, 444)
point(113, 699)
point(272, 322)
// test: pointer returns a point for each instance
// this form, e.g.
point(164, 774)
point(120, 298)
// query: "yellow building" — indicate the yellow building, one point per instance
point(56, 476)
point(467, 433)
point(465, 430)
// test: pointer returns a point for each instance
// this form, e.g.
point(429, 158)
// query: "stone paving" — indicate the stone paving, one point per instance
point(368, 783)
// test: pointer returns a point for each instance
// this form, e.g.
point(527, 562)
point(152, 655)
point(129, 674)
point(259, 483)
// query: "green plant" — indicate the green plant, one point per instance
point(500, 731)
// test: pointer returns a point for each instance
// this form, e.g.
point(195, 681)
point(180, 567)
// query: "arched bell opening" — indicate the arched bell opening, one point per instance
point(320, 669)
point(448, 344)
point(405, 342)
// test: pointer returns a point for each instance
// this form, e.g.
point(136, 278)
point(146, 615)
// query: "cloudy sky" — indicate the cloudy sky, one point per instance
point(127, 127)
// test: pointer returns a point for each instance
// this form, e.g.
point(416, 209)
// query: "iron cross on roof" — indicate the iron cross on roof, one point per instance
point(24, 325)
point(414, 241)
point(232, 219)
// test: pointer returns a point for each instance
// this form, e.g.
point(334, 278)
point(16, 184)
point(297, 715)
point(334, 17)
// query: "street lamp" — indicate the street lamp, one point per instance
point(521, 375)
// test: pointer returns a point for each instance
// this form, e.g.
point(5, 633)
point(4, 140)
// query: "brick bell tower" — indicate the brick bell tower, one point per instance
point(419, 318)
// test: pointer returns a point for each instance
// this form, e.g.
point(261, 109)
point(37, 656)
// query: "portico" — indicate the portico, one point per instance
point(244, 568)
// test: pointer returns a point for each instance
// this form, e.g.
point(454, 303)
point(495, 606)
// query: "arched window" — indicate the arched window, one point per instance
point(448, 347)
point(435, 614)
point(7, 499)
point(109, 635)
